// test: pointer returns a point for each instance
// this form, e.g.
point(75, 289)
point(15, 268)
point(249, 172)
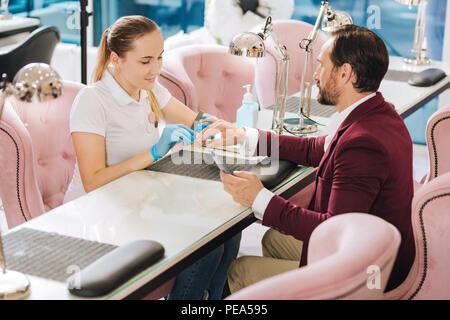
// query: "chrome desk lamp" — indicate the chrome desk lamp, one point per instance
point(419, 46)
point(4, 15)
point(331, 20)
point(35, 81)
point(249, 44)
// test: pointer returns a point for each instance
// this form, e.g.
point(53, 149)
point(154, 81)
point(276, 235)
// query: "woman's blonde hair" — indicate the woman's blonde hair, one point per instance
point(119, 38)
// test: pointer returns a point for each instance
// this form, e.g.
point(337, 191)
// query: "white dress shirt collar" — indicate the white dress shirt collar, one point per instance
point(337, 118)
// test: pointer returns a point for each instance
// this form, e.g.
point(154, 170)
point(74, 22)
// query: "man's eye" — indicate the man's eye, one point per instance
point(145, 62)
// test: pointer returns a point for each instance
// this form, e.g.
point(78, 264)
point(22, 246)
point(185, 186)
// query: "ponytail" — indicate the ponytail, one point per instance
point(119, 38)
point(103, 57)
point(154, 105)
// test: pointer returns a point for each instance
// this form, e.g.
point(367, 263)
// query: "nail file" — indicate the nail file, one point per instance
point(197, 119)
point(115, 268)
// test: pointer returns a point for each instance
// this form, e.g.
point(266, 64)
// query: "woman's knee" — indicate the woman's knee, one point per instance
point(232, 245)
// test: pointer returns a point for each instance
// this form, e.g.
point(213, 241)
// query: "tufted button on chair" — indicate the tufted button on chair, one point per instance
point(289, 34)
point(36, 154)
point(207, 78)
point(429, 276)
point(37, 47)
point(350, 256)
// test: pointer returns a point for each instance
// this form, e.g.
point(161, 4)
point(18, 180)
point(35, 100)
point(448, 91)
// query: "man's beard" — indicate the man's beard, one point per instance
point(328, 95)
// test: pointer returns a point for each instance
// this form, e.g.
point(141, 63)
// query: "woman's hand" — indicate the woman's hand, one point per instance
point(172, 134)
point(230, 134)
point(205, 121)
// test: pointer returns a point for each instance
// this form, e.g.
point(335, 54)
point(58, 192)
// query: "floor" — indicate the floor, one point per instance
point(251, 236)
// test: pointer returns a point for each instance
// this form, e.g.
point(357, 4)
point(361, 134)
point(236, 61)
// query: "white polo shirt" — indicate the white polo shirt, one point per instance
point(104, 108)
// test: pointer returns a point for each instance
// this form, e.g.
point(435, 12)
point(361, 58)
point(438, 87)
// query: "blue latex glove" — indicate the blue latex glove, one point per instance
point(171, 135)
point(202, 125)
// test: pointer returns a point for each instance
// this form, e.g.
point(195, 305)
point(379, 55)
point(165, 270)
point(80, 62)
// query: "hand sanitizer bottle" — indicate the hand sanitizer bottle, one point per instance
point(247, 114)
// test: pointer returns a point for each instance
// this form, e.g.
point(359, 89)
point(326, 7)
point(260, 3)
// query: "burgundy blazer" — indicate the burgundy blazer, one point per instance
point(367, 168)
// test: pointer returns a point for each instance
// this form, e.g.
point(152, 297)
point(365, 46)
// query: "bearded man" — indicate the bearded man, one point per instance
point(364, 164)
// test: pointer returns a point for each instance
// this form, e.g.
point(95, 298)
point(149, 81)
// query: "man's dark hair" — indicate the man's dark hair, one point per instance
point(364, 50)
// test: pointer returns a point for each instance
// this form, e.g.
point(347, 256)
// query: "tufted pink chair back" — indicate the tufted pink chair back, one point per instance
point(37, 155)
point(289, 34)
point(429, 276)
point(438, 133)
point(207, 78)
point(350, 256)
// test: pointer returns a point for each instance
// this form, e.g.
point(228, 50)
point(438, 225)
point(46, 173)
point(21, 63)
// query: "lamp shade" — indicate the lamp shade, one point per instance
point(37, 80)
point(247, 44)
point(335, 19)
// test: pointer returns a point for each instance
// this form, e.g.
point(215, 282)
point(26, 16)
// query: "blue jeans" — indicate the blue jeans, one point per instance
point(205, 279)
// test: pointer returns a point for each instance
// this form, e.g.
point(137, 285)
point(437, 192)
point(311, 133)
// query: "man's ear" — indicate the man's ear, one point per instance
point(347, 72)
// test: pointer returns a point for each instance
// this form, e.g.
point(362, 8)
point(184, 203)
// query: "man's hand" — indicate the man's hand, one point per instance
point(230, 134)
point(243, 186)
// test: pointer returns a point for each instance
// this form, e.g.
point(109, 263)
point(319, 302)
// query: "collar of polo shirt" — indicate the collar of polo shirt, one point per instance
point(119, 94)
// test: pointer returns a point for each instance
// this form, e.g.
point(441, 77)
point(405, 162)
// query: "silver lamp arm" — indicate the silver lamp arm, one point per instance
point(282, 82)
point(419, 48)
point(306, 86)
point(334, 19)
point(419, 32)
point(282, 78)
point(315, 31)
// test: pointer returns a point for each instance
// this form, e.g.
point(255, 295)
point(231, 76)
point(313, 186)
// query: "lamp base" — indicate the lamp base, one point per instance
point(5, 16)
point(415, 61)
point(13, 285)
point(293, 125)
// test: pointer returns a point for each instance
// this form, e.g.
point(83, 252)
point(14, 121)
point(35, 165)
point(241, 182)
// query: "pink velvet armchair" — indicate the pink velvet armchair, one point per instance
point(289, 34)
point(437, 134)
point(36, 155)
point(429, 277)
point(207, 78)
point(38, 159)
point(350, 257)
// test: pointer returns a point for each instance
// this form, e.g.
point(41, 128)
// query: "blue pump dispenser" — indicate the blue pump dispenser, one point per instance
point(247, 114)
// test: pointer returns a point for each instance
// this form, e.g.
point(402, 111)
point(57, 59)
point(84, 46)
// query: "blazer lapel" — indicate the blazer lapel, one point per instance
point(354, 116)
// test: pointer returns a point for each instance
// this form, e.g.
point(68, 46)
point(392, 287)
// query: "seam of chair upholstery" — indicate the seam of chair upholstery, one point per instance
point(425, 257)
point(17, 173)
point(168, 79)
point(361, 285)
point(434, 145)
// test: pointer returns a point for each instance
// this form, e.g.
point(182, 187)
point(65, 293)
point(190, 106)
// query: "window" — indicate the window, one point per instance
point(171, 15)
point(62, 14)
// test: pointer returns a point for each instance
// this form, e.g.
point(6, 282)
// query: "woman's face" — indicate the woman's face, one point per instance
point(140, 66)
